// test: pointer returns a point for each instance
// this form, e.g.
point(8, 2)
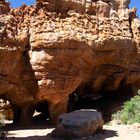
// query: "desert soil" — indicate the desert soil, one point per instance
point(114, 132)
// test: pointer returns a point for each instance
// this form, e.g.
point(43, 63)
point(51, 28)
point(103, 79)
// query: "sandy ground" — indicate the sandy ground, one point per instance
point(114, 132)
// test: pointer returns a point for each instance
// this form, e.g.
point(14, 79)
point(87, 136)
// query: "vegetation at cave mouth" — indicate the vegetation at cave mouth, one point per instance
point(130, 112)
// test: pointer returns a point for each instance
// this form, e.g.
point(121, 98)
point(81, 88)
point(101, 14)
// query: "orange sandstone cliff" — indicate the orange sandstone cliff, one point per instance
point(51, 49)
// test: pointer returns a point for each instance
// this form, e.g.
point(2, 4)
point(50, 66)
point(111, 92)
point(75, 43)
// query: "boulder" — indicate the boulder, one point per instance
point(80, 123)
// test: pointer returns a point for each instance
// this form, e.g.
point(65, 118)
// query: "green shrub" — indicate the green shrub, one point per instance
point(131, 111)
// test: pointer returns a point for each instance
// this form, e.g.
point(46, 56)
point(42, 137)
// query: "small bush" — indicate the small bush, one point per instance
point(131, 111)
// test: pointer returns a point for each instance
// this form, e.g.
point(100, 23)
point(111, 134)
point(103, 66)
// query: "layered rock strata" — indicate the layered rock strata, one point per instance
point(54, 47)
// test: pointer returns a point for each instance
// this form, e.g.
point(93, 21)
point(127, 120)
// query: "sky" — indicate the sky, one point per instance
point(136, 3)
point(17, 3)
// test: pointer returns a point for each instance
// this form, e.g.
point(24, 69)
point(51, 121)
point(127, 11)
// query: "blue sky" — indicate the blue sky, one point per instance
point(136, 3)
point(17, 3)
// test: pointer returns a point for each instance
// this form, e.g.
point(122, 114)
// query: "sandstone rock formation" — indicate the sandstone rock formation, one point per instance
point(80, 123)
point(51, 49)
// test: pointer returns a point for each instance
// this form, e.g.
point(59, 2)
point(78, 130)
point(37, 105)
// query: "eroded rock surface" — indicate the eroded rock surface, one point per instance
point(49, 50)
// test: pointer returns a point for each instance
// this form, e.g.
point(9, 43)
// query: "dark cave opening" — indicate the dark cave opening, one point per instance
point(107, 102)
point(12, 113)
point(41, 114)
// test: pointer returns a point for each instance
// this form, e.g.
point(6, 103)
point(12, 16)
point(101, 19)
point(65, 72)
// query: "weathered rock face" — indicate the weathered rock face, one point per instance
point(4, 7)
point(49, 50)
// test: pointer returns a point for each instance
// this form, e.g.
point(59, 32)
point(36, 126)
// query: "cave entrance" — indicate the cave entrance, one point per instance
point(107, 102)
point(41, 114)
